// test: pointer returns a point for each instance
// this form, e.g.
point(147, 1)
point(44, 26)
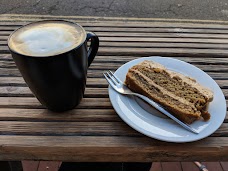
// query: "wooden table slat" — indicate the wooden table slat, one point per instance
point(130, 24)
point(141, 30)
point(91, 82)
point(124, 59)
point(116, 149)
point(69, 128)
point(62, 128)
point(151, 39)
point(151, 45)
point(223, 67)
point(97, 74)
point(150, 35)
point(32, 102)
point(15, 91)
point(76, 115)
point(153, 51)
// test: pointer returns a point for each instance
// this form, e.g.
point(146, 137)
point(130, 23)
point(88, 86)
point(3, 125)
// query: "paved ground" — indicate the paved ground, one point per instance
point(185, 9)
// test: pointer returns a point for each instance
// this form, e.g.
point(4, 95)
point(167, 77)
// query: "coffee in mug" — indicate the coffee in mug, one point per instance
point(46, 39)
point(53, 58)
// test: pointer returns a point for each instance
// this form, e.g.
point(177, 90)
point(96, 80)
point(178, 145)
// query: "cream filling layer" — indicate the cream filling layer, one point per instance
point(163, 90)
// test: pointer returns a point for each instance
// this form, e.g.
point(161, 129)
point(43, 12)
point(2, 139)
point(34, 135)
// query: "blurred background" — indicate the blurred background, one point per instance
point(178, 9)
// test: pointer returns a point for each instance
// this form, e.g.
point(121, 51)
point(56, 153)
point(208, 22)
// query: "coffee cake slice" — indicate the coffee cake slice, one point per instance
point(181, 95)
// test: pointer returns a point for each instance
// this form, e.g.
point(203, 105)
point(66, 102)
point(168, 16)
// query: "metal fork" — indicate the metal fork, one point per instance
point(119, 86)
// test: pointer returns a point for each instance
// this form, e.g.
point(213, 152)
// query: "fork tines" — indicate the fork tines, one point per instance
point(110, 76)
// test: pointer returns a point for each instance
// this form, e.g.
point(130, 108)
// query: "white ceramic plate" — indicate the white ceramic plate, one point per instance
point(148, 121)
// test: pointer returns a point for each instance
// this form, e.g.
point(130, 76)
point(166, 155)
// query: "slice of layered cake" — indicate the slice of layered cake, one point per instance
point(180, 95)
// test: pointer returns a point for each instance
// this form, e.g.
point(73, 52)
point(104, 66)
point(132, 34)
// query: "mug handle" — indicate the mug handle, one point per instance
point(93, 46)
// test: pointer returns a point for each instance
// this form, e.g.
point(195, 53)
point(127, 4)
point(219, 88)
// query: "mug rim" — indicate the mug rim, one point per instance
point(52, 20)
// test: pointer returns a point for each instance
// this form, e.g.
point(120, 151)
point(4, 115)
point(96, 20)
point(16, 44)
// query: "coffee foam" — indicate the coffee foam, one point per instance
point(46, 38)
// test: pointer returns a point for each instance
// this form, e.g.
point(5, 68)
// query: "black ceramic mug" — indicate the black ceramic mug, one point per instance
point(53, 58)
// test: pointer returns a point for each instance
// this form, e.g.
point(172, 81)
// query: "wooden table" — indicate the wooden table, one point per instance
point(93, 131)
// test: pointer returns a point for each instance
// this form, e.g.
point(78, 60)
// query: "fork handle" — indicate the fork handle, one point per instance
point(162, 110)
